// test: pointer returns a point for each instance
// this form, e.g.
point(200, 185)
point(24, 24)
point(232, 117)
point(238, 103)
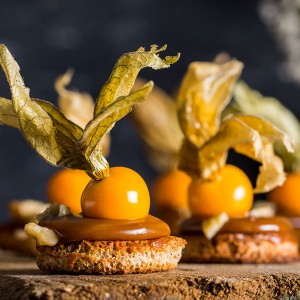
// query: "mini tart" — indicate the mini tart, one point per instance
point(243, 240)
point(102, 246)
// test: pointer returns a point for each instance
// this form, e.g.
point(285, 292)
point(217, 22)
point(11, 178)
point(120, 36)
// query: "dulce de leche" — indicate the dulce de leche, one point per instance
point(278, 227)
point(73, 228)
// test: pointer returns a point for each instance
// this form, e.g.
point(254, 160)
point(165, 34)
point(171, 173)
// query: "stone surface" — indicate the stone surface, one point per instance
point(20, 279)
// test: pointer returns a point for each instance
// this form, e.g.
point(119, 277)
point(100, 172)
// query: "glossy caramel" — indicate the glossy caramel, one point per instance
point(71, 228)
point(279, 226)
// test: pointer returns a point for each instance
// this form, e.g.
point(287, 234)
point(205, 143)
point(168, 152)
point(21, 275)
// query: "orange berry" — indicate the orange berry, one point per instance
point(231, 192)
point(171, 189)
point(122, 195)
point(287, 196)
point(66, 186)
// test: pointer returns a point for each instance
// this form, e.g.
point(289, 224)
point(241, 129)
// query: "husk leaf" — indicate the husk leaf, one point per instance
point(247, 100)
point(90, 144)
point(7, 114)
point(76, 106)
point(36, 125)
point(213, 155)
point(249, 135)
point(59, 140)
point(271, 172)
point(206, 145)
point(125, 72)
point(157, 124)
point(204, 92)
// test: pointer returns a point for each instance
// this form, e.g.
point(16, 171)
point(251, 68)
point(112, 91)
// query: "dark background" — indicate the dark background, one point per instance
point(48, 36)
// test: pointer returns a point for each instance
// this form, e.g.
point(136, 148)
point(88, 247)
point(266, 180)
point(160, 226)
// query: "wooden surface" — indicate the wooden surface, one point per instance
point(21, 279)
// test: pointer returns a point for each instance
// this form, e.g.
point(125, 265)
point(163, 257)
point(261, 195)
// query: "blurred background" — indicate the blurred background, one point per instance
point(47, 37)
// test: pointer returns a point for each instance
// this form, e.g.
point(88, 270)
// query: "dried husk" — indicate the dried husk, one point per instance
point(60, 141)
point(205, 92)
point(247, 100)
point(157, 124)
point(77, 106)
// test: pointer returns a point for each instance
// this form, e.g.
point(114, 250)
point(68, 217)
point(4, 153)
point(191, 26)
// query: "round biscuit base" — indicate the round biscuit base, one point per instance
point(240, 248)
point(112, 257)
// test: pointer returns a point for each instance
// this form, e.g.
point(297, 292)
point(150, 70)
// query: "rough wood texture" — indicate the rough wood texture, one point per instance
point(20, 279)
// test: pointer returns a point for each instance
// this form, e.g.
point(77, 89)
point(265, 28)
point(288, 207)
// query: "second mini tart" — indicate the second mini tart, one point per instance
point(285, 197)
point(242, 240)
point(222, 228)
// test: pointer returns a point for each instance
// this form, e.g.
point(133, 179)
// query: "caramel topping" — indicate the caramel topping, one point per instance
point(242, 225)
point(71, 228)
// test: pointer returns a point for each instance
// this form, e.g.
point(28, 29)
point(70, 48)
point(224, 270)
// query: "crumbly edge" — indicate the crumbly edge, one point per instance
point(240, 248)
point(112, 257)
